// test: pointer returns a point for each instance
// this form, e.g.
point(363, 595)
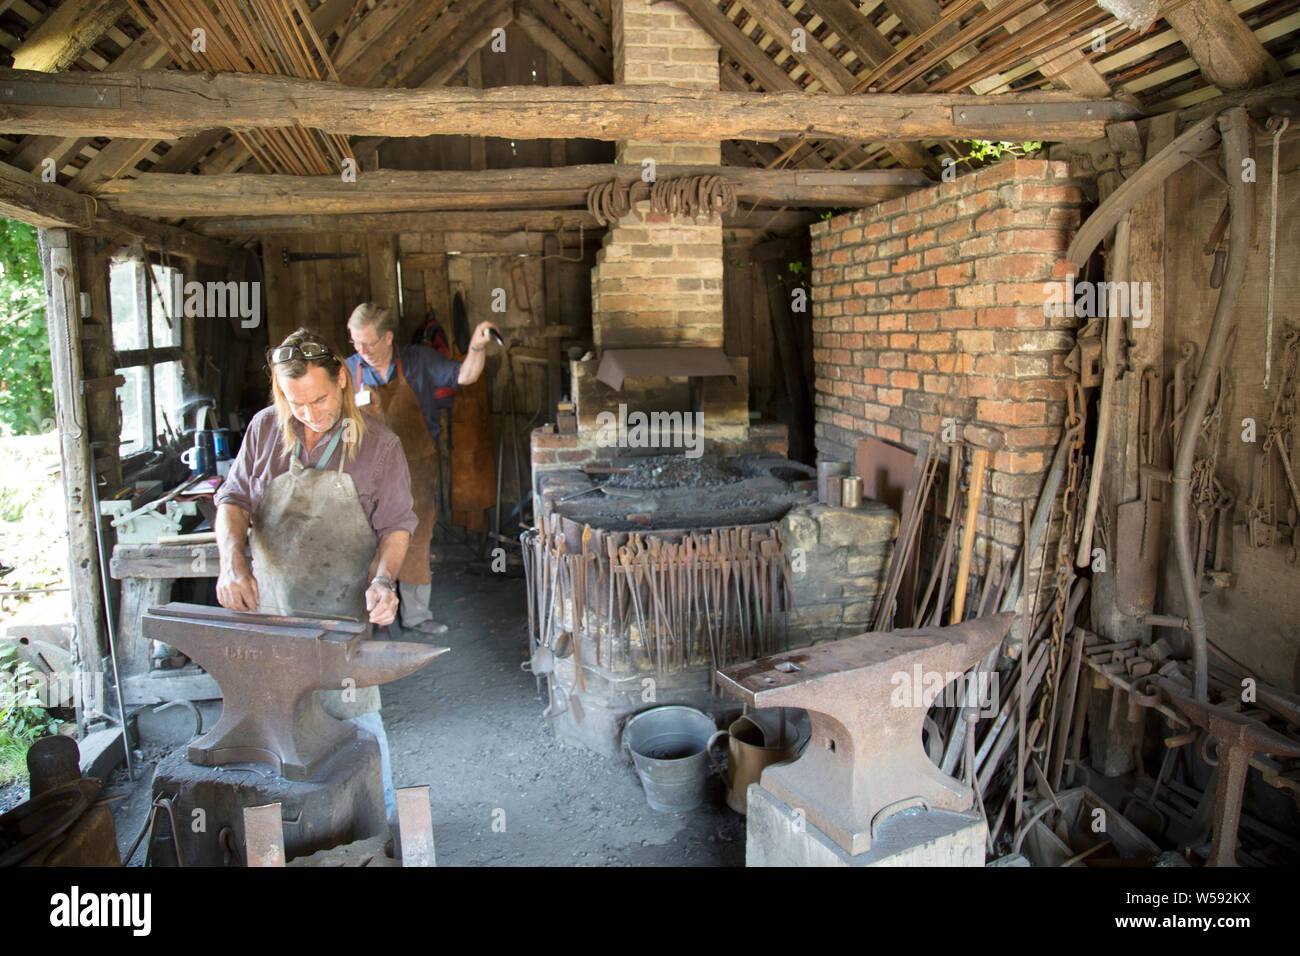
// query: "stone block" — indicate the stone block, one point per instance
point(856, 528)
point(799, 530)
point(777, 835)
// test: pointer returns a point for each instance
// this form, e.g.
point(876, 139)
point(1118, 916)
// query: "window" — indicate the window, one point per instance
point(147, 335)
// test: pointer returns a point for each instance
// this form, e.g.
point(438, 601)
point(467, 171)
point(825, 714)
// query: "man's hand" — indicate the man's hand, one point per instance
point(482, 335)
point(381, 602)
point(236, 586)
point(471, 366)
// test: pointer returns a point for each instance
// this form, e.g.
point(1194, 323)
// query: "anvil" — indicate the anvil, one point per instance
point(269, 667)
point(865, 760)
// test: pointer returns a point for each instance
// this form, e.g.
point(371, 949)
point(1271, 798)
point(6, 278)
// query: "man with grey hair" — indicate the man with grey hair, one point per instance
point(397, 385)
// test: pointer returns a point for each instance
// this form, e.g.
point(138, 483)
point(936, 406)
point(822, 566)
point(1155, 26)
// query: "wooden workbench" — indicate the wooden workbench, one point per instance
point(147, 572)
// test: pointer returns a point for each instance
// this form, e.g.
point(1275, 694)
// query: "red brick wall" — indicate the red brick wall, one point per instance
point(931, 306)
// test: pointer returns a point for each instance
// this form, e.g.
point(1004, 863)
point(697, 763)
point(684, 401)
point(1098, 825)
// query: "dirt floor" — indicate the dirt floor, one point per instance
point(469, 725)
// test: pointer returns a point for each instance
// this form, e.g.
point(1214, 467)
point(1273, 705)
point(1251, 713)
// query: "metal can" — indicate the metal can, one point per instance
point(851, 492)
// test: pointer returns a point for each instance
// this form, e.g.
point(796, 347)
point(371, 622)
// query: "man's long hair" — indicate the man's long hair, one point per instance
point(350, 418)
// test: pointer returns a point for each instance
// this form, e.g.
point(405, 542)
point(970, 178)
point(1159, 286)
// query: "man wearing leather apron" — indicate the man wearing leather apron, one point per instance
point(322, 496)
point(397, 385)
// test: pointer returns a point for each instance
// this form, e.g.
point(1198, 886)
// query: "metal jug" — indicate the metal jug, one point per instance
point(757, 740)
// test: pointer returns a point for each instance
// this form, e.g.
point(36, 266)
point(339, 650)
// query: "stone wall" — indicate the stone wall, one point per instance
point(839, 557)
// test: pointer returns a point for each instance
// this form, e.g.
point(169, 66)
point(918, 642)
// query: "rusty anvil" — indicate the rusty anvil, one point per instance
point(269, 667)
point(865, 759)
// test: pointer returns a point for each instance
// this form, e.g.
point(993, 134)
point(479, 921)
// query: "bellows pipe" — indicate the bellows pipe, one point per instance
point(1236, 145)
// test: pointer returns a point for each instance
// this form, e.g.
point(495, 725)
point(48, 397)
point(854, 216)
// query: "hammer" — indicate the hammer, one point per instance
point(982, 440)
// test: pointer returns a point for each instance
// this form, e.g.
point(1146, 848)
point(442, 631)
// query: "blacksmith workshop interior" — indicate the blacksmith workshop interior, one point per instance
point(650, 432)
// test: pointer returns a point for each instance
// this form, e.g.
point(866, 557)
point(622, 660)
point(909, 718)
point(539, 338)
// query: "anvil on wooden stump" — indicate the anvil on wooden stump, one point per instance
point(269, 667)
point(865, 759)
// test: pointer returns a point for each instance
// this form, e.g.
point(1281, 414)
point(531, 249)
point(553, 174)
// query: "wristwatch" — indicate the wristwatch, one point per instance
point(385, 581)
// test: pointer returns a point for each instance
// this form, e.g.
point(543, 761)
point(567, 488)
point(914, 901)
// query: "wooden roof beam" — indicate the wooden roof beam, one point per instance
point(51, 206)
point(164, 105)
point(1229, 55)
point(434, 190)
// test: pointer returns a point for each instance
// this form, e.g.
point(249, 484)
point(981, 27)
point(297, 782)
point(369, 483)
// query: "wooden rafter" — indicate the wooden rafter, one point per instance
point(575, 38)
point(69, 30)
point(578, 66)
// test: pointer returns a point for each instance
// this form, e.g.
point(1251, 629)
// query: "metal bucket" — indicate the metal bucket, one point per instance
point(668, 747)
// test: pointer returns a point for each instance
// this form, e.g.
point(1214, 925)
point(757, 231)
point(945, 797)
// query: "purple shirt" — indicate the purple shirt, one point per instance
point(378, 470)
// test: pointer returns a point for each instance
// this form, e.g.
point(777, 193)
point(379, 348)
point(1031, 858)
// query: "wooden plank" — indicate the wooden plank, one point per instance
point(160, 687)
point(279, 290)
point(378, 63)
point(590, 20)
point(168, 104)
point(398, 190)
point(382, 257)
point(871, 48)
point(134, 650)
point(183, 155)
point(1228, 53)
point(151, 561)
point(64, 326)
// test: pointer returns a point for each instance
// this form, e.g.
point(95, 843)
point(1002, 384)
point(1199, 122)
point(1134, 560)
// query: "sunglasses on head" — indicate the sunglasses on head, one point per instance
point(304, 350)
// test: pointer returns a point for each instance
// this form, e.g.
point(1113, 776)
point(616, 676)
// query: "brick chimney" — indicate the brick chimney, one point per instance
point(657, 282)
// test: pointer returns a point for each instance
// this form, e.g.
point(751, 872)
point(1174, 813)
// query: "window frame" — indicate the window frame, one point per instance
point(150, 356)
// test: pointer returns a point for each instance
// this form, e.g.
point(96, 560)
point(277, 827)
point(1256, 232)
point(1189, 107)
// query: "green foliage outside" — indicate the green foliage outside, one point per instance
point(987, 151)
point(22, 718)
point(26, 379)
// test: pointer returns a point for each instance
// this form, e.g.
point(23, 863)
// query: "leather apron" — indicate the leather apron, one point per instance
point(312, 548)
point(396, 405)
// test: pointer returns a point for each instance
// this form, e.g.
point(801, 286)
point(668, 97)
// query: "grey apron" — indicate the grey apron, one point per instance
point(312, 547)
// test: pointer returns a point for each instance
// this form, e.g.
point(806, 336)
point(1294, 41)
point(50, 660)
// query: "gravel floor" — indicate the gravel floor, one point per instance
point(505, 791)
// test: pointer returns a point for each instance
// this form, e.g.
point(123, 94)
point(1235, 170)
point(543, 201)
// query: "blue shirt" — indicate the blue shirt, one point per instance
point(425, 369)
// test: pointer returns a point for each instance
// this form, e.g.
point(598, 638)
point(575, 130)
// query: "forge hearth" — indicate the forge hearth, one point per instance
point(647, 573)
point(675, 492)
